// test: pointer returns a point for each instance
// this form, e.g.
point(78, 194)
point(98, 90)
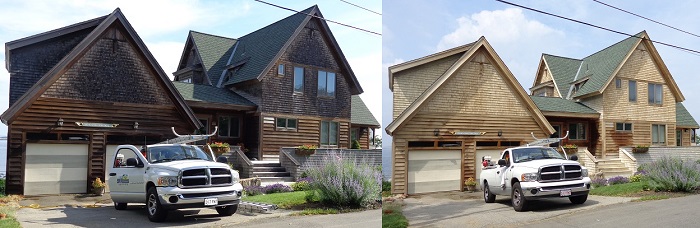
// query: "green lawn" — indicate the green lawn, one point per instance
point(392, 216)
point(285, 200)
point(628, 189)
point(8, 206)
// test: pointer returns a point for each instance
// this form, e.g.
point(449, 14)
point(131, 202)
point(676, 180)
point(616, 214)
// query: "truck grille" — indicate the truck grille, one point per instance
point(205, 177)
point(560, 173)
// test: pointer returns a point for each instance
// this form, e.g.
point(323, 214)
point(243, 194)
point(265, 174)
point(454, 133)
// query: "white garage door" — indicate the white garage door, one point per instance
point(434, 171)
point(55, 168)
point(495, 154)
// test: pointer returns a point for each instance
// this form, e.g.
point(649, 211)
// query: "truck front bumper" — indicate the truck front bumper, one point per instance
point(556, 189)
point(179, 198)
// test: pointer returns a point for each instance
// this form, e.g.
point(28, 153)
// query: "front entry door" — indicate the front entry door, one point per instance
point(679, 138)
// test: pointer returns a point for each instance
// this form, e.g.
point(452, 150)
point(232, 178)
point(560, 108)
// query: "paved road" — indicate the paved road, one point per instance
point(371, 218)
point(457, 209)
point(676, 212)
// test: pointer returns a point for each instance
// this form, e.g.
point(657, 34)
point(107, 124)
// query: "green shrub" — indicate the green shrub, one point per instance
point(303, 184)
point(340, 181)
point(673, 174)
point(386, 186)
point(355, 144)
point(636, 178)
point(2, 186)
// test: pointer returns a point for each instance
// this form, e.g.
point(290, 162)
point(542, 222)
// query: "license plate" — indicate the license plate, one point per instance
point(565, 192)
point(215, 201)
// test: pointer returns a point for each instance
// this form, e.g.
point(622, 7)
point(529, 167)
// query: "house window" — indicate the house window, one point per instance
point(298, 79)
point(542, 93)
point(623, 126)
point(188, 80)
point(618, 83)
point(354, 135)
point(577, 131)
point(205, 129)
point(229, 126)
point(658, 134)
point(633, 90)
point(655, 91)
point(280, 69)
point(326, 83)
point(286, 124)
point(329, 133)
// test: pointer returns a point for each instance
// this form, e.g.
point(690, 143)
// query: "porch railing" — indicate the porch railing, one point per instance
point(290, 163)
point(627, 159)
point(241, 162)
point(588, 160)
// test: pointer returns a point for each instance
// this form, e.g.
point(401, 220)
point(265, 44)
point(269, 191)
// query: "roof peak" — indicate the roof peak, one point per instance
point(636, 36)
point(209, 34)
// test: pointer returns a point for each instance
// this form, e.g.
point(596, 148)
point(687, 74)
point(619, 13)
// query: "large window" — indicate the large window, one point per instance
point(577, 131)
point(286, 124)
point(329, 133)
point(229, 126)
point(633, 90)
point(298, 79)
point(326, 83)
point(623, 126)
point(655, 91)
point(658, 134)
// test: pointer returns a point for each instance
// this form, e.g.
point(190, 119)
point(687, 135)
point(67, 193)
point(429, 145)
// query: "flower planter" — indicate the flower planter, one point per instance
point(471, 188)
point(640, 150)
point(98, 191)
point(218, 151)
point(303, 152)
point(571, 151)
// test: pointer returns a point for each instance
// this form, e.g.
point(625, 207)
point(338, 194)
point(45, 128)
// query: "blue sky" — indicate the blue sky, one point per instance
point(163, 25)
point(412, 29)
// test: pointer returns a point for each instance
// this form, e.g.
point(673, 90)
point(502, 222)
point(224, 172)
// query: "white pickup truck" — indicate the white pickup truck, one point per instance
point(172, 176)
point(525, 173)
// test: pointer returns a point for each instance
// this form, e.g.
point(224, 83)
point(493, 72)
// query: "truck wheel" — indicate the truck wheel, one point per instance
point(488, 196)
point(578, 199)
point(227, 210)
point(518, 198)
point(120, 206)
point(156, 212)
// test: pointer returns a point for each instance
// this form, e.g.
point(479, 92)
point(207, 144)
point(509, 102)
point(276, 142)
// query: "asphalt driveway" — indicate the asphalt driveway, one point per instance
point(460, 209)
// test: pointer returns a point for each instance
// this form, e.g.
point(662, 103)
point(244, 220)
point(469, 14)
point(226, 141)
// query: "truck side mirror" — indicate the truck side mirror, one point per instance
point(502, 162)
point(573, 158)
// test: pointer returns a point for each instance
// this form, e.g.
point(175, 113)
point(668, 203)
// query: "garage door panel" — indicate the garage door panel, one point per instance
point(434, 171)
point(55, 168)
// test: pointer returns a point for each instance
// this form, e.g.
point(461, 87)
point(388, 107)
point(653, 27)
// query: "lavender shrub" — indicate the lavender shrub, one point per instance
point(673, 174)
point(598, 182)
point(253, 190)
point(340, 181)
point(618, 180)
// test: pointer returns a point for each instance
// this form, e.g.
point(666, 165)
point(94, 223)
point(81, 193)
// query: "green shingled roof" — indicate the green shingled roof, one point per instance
point(555, 104)
point(214, 52)
point(360, 114)
point(259, 48)
point(598, 67)
point(683, 117)
point(563, 71)
point(206, 93)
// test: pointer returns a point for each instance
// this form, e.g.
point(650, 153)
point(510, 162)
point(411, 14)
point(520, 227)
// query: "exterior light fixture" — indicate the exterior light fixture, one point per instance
point(436, 132)
point(59, 122)
point(500, 133)
point(136, 125)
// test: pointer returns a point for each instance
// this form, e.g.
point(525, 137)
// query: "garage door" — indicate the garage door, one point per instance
point(55, 168)
point(495, 154)
point(434, 171)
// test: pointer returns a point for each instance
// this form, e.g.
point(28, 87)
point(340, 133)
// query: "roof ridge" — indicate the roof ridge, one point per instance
point(636, 36)
point(563, 57)
point(303, 12)
point(209, 34)
point(436, 54)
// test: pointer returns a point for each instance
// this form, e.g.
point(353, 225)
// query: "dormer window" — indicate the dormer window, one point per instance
point(188, 80)
point(280, 69)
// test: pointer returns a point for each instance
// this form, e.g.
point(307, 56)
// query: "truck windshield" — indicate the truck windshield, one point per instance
point(168, 153)
point(529, 154)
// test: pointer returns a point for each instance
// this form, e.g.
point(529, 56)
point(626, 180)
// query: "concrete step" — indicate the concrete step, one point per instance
point(266, 164)
point(276, 179)
point(271, 174)
point(622, 169)
point(620, 165)
point(270, 157)
point(269, 169)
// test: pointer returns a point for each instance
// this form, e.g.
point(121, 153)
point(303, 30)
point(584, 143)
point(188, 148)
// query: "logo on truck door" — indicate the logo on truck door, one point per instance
point(124, 179)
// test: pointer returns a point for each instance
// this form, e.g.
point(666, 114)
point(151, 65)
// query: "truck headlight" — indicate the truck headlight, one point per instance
point(235, 178)
point(167, 181)
point(528, 177)
point(584, 172)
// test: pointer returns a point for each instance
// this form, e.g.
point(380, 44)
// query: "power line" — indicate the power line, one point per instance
point(605, 4)
point(599, 27)
point(361, 7)
point(346, 25)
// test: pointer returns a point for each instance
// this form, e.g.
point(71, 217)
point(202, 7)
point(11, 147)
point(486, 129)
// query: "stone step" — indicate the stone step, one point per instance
point(266, 164)
point(276, 179)
point(622, 169)
point(611, 165)
point(268, 169)
point(270, 157)
point(271, 174)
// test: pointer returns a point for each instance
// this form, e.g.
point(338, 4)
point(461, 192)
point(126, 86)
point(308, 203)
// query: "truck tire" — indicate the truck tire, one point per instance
point(518, 198)
point(227, 210)
point(120, 206)
point(156, 212)
point(578, 199)
point(488, 196)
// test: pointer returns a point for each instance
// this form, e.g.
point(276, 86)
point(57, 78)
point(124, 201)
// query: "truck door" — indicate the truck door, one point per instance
point(126, 180)
point(501, 182)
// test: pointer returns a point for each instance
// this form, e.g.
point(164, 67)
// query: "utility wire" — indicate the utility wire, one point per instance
point(605, 4)
point(596, 26)
point(361, 7)
point(346, 25)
